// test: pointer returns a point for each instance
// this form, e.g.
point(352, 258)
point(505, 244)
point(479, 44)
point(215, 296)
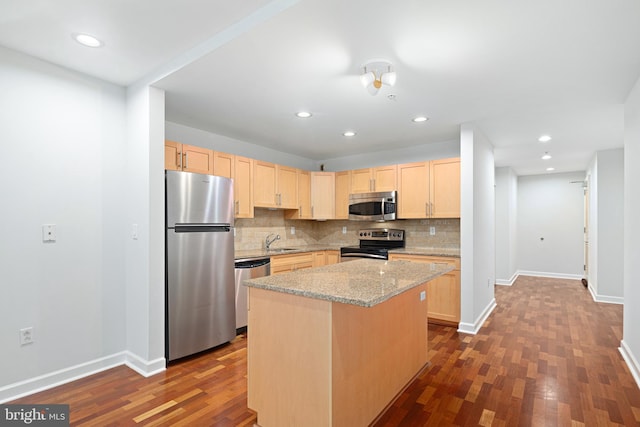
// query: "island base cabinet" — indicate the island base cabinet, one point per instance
point(313, 362)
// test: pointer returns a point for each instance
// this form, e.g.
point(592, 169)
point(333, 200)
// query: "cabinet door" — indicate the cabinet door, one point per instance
point(443, 293)
point(287, 184)
point(304, 194)
point(385, 178)
point(223, 164)
point(413, 190)
point(342, 195)
point(332, 257)
point(319, 259)
point(361, 181)
point(242, 186)
point(289, 263)
point(172, 155)
point(323, 195)
point(264, 184)
point(197, 159)
point(445, 188)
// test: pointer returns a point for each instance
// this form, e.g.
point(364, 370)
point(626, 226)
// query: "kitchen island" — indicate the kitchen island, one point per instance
point(333, 346)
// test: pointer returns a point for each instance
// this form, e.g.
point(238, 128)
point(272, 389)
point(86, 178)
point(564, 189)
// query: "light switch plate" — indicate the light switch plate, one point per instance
point(49, 232)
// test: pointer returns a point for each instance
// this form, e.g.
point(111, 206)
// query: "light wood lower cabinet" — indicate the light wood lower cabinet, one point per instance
point(443, 293)
point(291, 262)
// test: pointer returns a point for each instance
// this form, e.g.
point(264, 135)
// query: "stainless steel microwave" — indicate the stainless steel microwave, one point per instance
point(379, 206)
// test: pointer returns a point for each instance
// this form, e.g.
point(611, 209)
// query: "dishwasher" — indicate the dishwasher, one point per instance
point(247, 268)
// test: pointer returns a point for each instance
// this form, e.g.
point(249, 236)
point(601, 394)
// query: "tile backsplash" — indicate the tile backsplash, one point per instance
point(252, 232)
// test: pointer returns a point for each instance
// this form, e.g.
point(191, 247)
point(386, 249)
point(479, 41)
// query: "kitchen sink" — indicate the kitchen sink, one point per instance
point(280, 250)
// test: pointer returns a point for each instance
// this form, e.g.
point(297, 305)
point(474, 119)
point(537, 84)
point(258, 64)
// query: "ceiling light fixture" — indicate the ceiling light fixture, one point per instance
point(420, 119)
point(87, 40)
point(376, 73)
point(349, 133)
point(550, 169)
point(544, 138)
point(303, 114)
point(546, 156)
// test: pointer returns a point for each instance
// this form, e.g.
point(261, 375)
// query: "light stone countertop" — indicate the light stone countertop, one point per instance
point(363, 282)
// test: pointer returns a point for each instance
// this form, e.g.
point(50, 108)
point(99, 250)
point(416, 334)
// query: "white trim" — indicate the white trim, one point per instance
point(550, 275)
point(473, 328)
point(146, 368)
point(604, 298)
point(631, 361)
point(508, 282)
point(73, 373)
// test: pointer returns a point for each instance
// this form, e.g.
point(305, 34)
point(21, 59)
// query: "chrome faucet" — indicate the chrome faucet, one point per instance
point(269, 242)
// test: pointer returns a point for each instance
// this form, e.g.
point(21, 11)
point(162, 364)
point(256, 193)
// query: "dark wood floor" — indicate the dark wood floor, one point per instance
point(548, 355)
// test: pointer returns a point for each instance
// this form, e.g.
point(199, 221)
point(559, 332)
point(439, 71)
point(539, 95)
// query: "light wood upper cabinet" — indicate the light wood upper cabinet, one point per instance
point(304, 197)
point(287, 185)
point(443, 293)
point(382, 178)
point(188, 158)
point(342, 194)
point(243, 187)
point(445, 188)
point(413, 190)
point(385, 178)
point(323, 197)
point(197, 159)
point(264, 185)
point(274, 186)
point(429, 189)
point(223, 164)
point(172, 155)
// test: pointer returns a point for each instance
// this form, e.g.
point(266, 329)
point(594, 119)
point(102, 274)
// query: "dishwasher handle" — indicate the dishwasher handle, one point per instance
point(251, 263)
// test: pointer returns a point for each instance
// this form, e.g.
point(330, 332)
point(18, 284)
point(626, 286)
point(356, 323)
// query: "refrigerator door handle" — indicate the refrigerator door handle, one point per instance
point(202, 228)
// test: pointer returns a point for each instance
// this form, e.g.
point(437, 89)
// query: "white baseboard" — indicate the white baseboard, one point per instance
point(507, 282)
point(631, 361)
point(53, 379)
point(549, 275)
point(473, 328)
point(604, 298)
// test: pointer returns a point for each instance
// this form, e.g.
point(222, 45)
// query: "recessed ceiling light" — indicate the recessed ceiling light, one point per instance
point(349, 133)
point(87, 40)
point(544, 138)
point(546, 156)
point(303, 114)
point(420, 119)
point(550, 169)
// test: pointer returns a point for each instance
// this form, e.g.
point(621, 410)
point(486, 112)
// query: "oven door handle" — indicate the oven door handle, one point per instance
point(361, 255)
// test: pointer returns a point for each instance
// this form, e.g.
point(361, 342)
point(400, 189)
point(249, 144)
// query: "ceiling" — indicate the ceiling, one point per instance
point(516, 69)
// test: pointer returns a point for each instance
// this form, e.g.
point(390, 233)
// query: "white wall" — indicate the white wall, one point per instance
point(630, 345)
point(477, 228)
point(63, 138)
point(550, 225)
point(145, 208)
point(506, 231)
point(606, 226)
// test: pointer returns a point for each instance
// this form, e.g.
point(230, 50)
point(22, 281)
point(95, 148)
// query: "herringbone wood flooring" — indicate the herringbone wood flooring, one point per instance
point(547, 356)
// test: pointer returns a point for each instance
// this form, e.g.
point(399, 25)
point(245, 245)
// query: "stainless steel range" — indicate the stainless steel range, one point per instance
point(374, 243)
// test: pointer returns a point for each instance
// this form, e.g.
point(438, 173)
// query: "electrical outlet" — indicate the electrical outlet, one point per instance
point(293, 230)
point(134, 231)
point(26, 335)
point(423, 295)
point(432, 231)
point(344, 230)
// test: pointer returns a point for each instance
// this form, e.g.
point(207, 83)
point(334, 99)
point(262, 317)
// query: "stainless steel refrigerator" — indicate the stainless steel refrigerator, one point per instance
point(199, 260)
